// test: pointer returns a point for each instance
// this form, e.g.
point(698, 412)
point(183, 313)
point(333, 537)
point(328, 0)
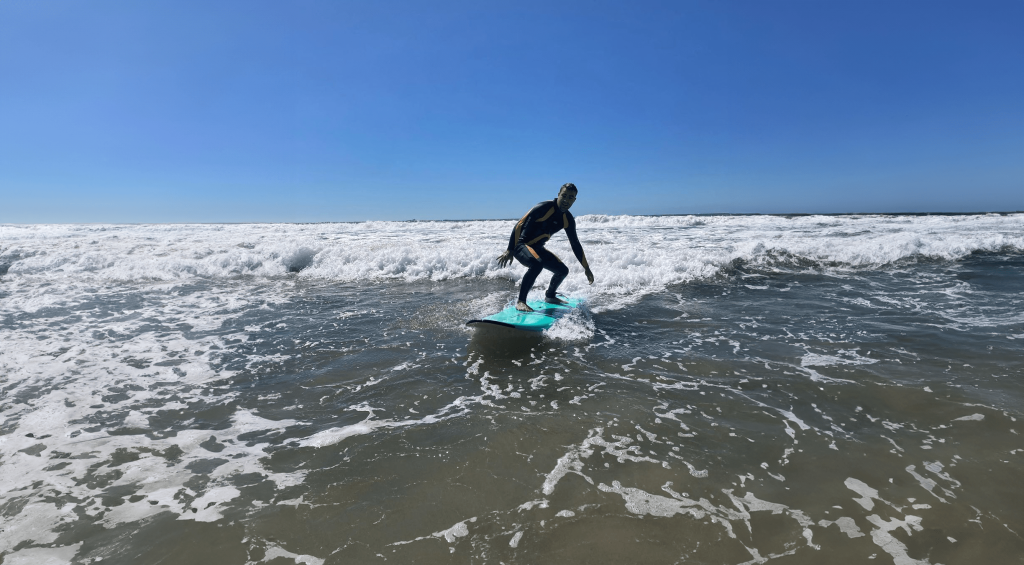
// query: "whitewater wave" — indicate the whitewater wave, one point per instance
point(626, 252)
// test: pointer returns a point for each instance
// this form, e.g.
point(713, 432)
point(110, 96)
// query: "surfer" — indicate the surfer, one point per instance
point(527, 245)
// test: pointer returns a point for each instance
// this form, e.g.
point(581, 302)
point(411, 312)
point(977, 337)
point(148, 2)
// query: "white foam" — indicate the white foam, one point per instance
point(644, 503)
point(208, 505)
point(35, 523)
point(576, 326)
point(514, 542)
point(936, 468)
point(845, 524)
point(273, 552)
point(543, 503)
point(57, 421)
point(572, 462)
point(889, 544)
point(633, 257)
point(848, 357)
point(368, 425)
point(793, 418)
point(694, 472)
point(867, 493)
point(459, 530)
point(43, 555)
point(928, 484)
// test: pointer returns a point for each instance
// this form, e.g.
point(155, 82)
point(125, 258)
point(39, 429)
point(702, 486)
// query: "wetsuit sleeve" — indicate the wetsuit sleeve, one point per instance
point(515, 235)
point(574, 240)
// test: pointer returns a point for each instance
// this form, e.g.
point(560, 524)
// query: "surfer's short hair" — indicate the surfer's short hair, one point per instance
point(568, 186)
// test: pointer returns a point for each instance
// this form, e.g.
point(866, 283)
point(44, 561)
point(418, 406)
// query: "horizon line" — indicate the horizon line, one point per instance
point(415, 220)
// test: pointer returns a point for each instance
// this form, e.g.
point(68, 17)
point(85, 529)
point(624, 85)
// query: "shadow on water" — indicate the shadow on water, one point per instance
point(498, 344)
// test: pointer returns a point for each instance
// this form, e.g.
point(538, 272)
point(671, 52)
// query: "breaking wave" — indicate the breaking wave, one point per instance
point(626, 252)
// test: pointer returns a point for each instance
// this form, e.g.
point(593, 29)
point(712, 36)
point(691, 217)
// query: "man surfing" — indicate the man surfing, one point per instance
point(527, 245)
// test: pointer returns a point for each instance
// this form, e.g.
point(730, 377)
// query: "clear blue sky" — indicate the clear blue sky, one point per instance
point(321, 110)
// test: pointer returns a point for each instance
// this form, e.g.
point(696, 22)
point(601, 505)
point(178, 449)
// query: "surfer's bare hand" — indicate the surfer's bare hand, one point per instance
point(504, 259)
point(590, 276)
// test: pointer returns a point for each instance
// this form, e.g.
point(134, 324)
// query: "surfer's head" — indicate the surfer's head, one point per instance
point(566, 196)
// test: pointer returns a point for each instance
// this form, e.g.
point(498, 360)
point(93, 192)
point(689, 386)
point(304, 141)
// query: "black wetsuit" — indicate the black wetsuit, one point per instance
point(527, 245)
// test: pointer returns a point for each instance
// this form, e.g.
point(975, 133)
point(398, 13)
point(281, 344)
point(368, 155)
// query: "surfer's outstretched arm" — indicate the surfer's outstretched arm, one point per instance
point(577, 248)
point(505, 258)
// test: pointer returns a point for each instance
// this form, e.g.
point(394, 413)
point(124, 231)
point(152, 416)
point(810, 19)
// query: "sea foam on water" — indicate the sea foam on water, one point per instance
point(737, 389)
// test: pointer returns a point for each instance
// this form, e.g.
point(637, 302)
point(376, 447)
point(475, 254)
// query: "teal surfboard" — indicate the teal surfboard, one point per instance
point(543, 316)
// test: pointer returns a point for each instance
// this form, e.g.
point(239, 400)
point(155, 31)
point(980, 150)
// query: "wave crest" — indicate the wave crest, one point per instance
point(626, 252)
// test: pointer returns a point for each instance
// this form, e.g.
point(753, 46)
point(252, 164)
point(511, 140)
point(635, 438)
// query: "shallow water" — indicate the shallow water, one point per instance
point(738, 390)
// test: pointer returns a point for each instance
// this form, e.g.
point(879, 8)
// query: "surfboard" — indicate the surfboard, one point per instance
point(543, 316)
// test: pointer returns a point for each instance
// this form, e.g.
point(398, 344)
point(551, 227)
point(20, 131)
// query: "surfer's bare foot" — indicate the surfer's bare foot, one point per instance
point(523, 307)
point(554, 300)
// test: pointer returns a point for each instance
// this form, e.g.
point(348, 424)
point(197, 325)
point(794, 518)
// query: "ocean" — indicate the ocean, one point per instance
point(737, 389)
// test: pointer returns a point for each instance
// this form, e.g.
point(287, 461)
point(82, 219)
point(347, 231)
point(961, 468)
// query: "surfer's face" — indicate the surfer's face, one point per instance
point(565, 199)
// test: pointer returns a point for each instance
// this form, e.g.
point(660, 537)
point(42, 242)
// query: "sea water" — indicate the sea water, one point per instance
point(738, 389)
